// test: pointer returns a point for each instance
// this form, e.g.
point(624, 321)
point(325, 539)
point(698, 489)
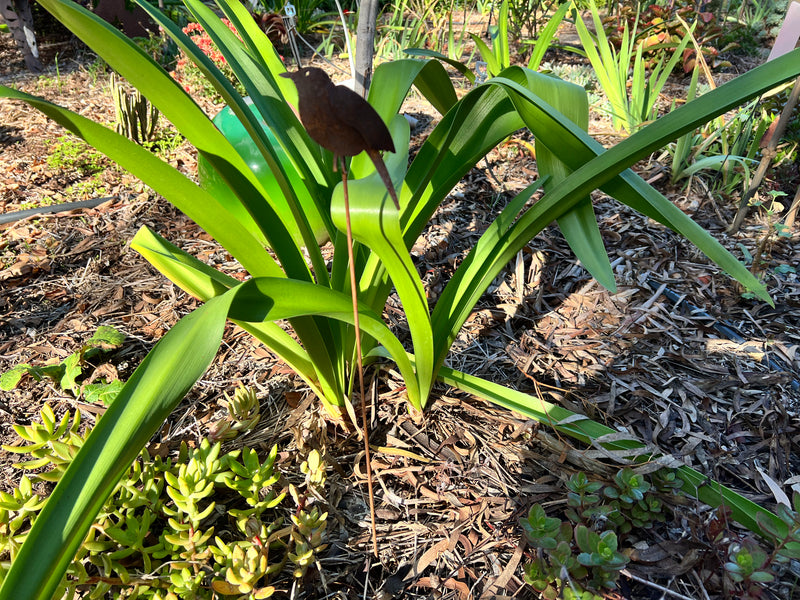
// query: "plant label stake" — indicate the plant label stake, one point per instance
point(343, 122)
point(290, 24)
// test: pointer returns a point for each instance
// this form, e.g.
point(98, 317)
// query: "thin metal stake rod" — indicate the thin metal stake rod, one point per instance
point(353, 293)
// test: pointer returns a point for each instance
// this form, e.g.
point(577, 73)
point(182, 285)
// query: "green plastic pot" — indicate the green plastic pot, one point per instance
point(231, 127)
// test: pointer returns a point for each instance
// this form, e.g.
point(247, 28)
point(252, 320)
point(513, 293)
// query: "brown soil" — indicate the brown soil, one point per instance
point(631, 359)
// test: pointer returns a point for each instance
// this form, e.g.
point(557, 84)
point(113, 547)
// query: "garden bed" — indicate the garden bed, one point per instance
point(450, 489)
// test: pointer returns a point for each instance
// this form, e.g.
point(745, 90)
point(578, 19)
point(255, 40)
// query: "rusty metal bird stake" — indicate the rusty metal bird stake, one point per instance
point(343, 122)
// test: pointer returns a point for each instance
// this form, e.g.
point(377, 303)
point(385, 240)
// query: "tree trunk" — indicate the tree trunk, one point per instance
point(17, 14)
point(365, 45)
point(792, 214)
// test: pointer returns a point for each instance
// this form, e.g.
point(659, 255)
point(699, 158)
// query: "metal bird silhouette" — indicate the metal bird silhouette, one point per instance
point(341, 121)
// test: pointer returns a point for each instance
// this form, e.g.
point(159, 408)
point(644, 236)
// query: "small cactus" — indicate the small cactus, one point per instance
point(136, 117)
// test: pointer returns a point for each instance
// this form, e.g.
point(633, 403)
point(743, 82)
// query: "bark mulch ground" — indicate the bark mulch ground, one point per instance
point(448, 510)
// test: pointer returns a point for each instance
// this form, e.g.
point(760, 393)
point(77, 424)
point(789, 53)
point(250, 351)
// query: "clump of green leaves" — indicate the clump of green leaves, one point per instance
point(49, 445)
point(243, 414)
point(92, 187)
point(631, 504)
point(774, 228)
point(751, 25)
point(166, 144)
point(160, 535)
point(750, 567)
point(570, 562)
point(580, 557)
point(70, 373)
point(309, 525)
point(632, 98)
point(245, 564)
point(16, 509)
point(625, 504)
point(661, 28)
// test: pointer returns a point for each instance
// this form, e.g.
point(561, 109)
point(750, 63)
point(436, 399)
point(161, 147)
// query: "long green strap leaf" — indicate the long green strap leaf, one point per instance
point(579, 225)
point(279, 117)
point(492, 65)
point(204, 282)
point(265, 207)
point(500, 44)
point(628, 188)
point(375, 224)
point(487, 260)
point(393, 80)
point(272, 299)
point(125, 57)
point(275, 96)
point(542, 44)
point(456, 303)
point(695, 484)
point(457, 65)
point(190, 199)
point(159, 383)
point(316, 334)
point(603, 171)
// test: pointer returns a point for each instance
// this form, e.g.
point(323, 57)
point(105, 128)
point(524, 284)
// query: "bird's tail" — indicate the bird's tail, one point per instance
point(380, 166)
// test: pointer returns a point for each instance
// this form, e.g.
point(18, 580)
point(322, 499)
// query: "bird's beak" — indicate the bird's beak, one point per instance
point(287, 75)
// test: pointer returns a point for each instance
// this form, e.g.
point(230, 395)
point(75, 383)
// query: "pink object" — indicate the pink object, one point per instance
point(790, 32)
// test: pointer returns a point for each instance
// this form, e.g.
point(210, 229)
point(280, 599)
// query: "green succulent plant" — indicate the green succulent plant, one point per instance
point(152, 539)
point(246, 564)
point(308, 535)
point(51, 444)
point(243, 414)
point(581, 556)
